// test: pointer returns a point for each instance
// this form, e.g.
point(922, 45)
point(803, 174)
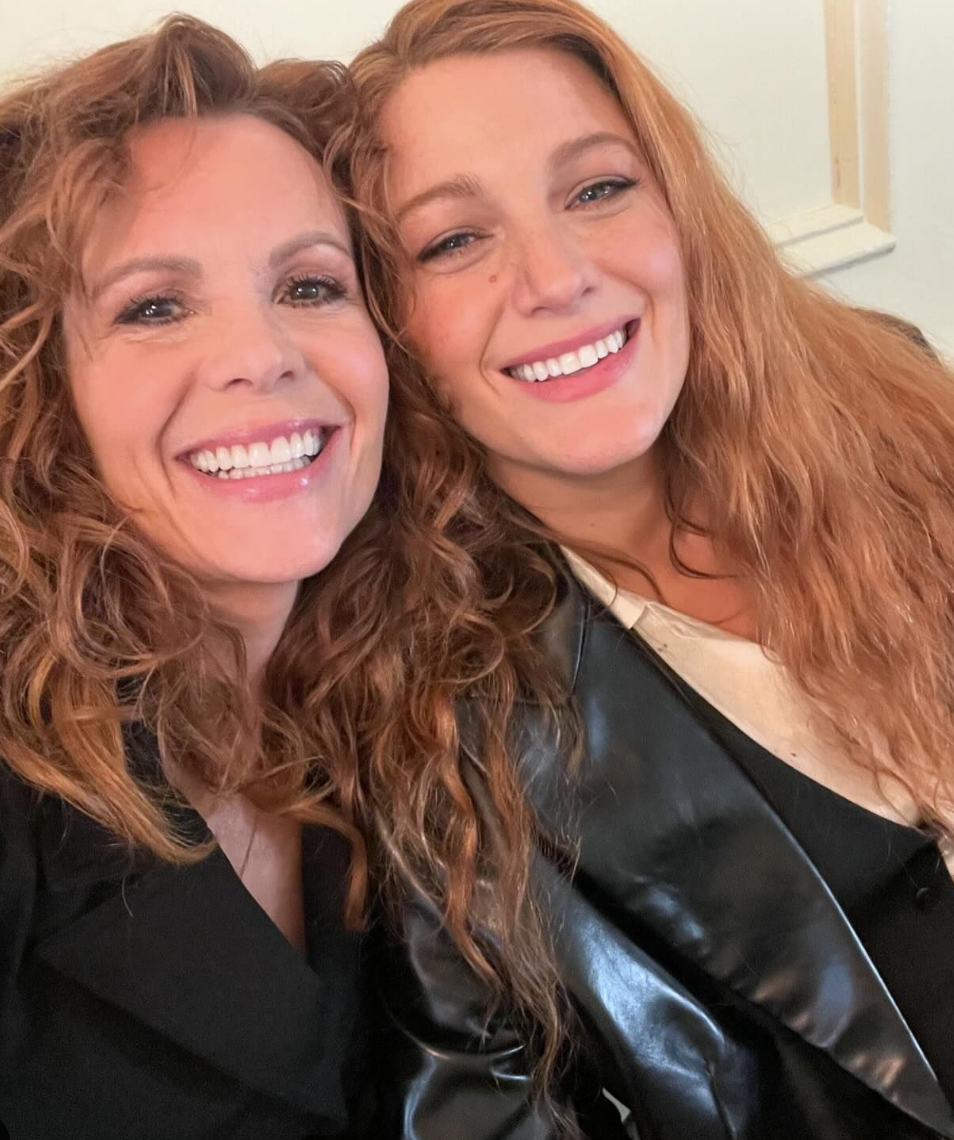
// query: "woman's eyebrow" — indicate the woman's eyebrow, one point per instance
point(183, 266)
point(190, 267)
point(458, 187)
point(467, 186)
point(288, 249)
point(573, 148)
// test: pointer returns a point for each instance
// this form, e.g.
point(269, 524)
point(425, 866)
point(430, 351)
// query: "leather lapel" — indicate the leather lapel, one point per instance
point(681, 837)
point(188, 952)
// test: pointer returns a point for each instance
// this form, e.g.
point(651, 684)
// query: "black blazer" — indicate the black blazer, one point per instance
point(144, 1002)
point(722, 992)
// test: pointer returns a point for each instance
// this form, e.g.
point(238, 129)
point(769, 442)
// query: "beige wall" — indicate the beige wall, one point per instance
point(754, 71)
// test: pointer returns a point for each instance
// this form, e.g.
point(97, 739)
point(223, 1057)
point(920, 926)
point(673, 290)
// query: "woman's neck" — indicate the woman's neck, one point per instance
point(619, 522)
point(623, 510)
point(260, 614)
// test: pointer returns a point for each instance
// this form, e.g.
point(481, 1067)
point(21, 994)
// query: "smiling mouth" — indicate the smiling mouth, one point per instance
point(569, 363)
point(278, 456)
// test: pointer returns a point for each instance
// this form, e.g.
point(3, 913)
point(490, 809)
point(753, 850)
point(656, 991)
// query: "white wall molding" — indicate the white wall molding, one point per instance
point(829, 238)
point(854, 226)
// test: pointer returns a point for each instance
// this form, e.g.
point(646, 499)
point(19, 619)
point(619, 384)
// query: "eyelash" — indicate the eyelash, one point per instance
point(334, 290)
point(616, 185)
point(442, 248)
point(134, 313)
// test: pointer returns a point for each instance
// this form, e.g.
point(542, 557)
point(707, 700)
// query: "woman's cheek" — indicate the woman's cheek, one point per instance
point(435, 330)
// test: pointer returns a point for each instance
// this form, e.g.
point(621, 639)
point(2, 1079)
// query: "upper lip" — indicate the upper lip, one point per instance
point(259, 433)
point(571, 344)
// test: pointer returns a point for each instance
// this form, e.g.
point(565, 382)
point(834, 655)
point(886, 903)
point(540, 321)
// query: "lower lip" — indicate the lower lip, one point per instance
point(563, 389)
point(269, 488)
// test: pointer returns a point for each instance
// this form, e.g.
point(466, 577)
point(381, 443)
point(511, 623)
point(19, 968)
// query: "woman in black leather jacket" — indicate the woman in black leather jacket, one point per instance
point(682, 502)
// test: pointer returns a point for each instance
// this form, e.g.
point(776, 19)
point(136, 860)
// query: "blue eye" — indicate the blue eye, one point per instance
point(605, 188)
point(312, 290)
point(160, 309)
point(453, 243)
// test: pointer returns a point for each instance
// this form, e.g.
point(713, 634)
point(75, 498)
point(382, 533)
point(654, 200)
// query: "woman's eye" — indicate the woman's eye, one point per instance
point(453, 243)
point(157, 310)
point(605, 188)
point(308, 290)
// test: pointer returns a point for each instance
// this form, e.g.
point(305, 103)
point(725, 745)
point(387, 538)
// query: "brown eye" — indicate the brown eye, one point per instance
point(156, 310)
point(309, 290)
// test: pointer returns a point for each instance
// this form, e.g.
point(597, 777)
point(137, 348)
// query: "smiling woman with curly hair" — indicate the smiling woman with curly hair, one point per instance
point(192, 407)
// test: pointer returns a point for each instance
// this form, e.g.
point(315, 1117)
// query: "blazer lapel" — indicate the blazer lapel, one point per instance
point(708, 865)
point(188, 952)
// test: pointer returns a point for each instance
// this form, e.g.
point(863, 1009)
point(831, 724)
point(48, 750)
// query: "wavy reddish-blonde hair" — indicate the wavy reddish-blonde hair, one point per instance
point(98, 629)
point(819, 442)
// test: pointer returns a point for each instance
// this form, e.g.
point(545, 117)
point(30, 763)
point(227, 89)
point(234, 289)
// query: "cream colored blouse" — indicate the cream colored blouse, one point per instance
point(739, 678)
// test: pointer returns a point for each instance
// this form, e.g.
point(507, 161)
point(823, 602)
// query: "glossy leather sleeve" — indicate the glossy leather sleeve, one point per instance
point(458, 1077)
point(455, 1075)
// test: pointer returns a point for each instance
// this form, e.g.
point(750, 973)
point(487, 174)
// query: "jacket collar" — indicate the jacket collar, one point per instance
point(189, 953)
point(766, 927)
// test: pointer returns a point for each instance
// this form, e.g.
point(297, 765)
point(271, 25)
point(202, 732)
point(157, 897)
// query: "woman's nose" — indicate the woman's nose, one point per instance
point(553, 272)
point(251, 348)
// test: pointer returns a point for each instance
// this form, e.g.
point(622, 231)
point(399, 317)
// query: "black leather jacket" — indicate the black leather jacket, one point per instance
point(722, 991)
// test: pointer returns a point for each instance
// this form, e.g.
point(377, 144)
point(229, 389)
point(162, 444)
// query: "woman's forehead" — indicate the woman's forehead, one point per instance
point(541, 95)
point(189, 184)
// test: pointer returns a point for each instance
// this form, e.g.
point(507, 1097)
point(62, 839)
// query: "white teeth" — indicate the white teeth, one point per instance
point(588, 356)
point(260, 455)
point(281, 452)
point(272, 469)
point(282, 455)
point(569, 362)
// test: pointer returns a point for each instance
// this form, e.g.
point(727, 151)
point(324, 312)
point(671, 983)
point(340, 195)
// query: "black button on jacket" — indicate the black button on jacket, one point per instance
point(722, 991)
point(147, 1002)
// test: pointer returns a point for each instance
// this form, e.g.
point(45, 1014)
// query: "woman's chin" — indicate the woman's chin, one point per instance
point(264, 567)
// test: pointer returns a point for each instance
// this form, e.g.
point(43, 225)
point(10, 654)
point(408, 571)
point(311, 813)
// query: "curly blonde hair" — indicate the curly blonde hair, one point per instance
point(97, 629)
point(820, 443)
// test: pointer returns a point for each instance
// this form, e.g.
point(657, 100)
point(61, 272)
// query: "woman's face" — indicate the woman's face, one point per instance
point(221, 360)
point(545, 287)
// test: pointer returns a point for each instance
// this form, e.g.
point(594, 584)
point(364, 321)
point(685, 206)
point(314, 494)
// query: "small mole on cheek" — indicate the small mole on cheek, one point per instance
point(493, 279)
